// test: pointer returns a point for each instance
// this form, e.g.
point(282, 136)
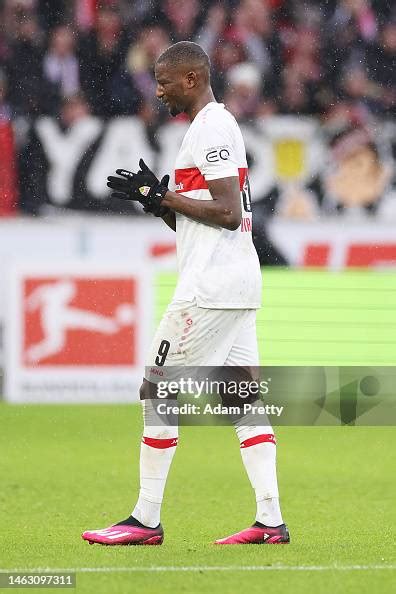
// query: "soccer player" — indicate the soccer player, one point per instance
point(211, 320)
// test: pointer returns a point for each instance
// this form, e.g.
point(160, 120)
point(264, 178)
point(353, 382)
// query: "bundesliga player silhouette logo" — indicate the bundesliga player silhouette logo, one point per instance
point(66, 318)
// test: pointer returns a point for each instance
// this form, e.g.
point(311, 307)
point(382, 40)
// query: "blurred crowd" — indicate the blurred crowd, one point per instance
point(334, 59)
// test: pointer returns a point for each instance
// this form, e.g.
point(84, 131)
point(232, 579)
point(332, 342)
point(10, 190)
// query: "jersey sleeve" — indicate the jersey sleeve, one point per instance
point(213, 150)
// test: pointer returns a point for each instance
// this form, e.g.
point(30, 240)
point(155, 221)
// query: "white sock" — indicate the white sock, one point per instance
point(156, 453)
point(258, 451)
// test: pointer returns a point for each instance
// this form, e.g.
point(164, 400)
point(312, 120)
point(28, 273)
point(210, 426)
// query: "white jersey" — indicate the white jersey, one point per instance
point(217, 267)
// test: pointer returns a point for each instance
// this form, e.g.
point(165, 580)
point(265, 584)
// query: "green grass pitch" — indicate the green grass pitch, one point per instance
point(64, 469)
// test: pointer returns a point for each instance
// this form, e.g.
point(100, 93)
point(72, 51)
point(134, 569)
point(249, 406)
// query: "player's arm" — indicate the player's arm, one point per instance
point(223, 211)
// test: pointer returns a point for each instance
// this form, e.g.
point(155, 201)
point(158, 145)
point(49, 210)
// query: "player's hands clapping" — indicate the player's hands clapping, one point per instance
point(142, 186)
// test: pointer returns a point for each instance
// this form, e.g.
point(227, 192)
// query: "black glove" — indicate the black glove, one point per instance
point(142, 186)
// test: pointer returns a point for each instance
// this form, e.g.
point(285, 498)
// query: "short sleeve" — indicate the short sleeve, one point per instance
point(213, 150)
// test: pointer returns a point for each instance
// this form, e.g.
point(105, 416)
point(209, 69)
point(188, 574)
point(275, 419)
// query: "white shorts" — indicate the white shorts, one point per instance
point(189, 335)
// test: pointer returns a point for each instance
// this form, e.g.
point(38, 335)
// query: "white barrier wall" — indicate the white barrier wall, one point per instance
point(336, 244)
point(76, 295)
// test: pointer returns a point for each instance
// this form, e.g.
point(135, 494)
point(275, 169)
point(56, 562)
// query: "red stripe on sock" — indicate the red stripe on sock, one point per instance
point(160, 444)
point(264, 438)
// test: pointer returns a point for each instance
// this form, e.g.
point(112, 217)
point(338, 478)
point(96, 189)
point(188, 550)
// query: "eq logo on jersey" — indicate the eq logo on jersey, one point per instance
point(74, 320)
point(215, 155)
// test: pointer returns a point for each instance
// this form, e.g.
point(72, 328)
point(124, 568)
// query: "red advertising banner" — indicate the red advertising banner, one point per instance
point(80, 321)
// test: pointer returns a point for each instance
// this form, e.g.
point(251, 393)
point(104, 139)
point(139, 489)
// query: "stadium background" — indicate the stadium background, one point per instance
point(313, 85)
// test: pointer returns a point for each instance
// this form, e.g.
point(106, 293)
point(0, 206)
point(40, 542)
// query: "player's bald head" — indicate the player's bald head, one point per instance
point(182, 75)
point(186, 55)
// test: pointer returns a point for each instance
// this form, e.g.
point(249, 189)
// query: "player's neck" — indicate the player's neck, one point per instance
point(200, 103)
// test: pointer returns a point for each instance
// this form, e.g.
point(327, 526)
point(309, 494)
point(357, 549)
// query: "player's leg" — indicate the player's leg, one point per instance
point(158, 446)
point(159, 440)
point(181, 339)
point(258, 450)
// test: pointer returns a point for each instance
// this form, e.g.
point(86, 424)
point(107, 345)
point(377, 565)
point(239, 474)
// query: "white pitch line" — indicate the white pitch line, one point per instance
point(198, 568)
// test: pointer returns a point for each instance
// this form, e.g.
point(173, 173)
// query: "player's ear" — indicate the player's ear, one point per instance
point(191, 79)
